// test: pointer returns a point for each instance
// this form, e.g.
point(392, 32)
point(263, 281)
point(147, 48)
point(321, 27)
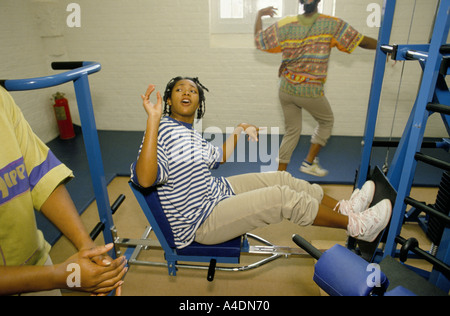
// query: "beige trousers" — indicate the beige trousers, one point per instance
point(261, 199)
point(293, 106)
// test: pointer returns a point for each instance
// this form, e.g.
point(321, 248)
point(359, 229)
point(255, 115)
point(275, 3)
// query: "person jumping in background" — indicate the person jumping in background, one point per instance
point(305, 42)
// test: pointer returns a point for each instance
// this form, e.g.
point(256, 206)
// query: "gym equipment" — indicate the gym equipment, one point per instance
point(227, 253)
point(341, 272)
point(433, 97)
point(78, 74)
point(383, 190)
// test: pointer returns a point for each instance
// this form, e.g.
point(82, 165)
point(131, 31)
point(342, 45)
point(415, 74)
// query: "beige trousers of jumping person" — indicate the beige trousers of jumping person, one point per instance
point(261, 199)
point(293, 106)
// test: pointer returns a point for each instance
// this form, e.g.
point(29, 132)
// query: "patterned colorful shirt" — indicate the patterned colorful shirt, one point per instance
point(306, 43)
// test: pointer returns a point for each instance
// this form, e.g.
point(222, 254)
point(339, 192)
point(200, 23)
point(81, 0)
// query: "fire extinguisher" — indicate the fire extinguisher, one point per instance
point(63, 117)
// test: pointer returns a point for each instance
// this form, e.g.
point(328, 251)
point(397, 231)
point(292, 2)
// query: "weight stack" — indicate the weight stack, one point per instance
point(436, 227)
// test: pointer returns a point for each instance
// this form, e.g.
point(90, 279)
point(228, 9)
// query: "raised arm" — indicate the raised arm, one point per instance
point(231, 142)
point(147, 164)
point(368, 43)
point(270, 11)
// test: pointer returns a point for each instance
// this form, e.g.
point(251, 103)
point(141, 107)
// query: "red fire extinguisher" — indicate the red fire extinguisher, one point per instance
point(63, 117)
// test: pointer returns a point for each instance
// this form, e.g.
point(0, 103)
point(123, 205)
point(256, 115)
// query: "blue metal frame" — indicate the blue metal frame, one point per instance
point(433, 88)
point(401, 173)
point(375, 92)
point(80, 80)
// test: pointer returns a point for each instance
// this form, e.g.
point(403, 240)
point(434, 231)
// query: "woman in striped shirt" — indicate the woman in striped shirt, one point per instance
point(211, 210)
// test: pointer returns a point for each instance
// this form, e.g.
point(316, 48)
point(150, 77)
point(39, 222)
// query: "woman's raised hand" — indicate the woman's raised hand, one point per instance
point(153, 110)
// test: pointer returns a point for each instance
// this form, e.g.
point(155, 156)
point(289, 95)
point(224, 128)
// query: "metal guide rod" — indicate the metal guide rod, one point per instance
point(406, 52)
point(429, 210)
point(375, 91)
point(145, 243)
point(402, 172)
point(256, 249)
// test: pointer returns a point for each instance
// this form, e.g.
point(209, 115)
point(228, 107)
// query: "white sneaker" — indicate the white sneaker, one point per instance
point(367, 225)
point(313, 169)
point(359, 201)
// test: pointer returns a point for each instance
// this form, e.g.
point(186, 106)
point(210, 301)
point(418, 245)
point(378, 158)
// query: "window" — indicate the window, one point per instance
point(238, 16)
point(231, 9)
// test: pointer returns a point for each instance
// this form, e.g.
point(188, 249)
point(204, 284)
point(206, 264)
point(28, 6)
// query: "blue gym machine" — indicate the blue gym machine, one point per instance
point(78, 74)
point(433, 97)
point(228, 253)
point(198, 254)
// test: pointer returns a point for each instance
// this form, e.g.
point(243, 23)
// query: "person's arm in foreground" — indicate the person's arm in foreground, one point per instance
point(147, 164)
point(93, 278)
point(61, 211)
point(99, 273)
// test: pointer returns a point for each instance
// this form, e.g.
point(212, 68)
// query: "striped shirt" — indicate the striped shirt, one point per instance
point(305, 44)
point(186, 187)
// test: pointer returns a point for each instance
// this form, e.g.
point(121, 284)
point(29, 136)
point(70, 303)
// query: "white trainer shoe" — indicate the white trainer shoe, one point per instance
point(367, 225)
point(359, 201)
point(313, 169)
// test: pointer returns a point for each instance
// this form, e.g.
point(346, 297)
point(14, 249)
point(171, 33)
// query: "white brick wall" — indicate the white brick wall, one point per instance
point(23, 56)
point(150, 41)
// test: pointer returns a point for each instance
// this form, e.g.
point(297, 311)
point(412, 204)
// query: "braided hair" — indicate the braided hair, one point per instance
point(168, 94)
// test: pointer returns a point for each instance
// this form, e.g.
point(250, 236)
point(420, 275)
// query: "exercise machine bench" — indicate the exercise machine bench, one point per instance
point(226, 253)
point(340, 272)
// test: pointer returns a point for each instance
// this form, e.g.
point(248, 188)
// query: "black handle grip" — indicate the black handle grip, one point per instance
point(302, 243)
point(212, 270)
point(117, 203)
point(97, 230)
point(413, 245)
point(445, 49)
point(101, 226)
point(67, 65)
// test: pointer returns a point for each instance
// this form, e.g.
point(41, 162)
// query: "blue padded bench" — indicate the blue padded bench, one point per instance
point(228, 252)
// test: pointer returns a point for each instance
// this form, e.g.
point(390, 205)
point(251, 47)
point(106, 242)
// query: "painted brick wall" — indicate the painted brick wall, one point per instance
point(150, 41)
point(24, 56)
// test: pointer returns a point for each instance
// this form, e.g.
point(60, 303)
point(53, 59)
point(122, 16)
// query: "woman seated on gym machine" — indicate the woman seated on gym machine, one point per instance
point(211, 210)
